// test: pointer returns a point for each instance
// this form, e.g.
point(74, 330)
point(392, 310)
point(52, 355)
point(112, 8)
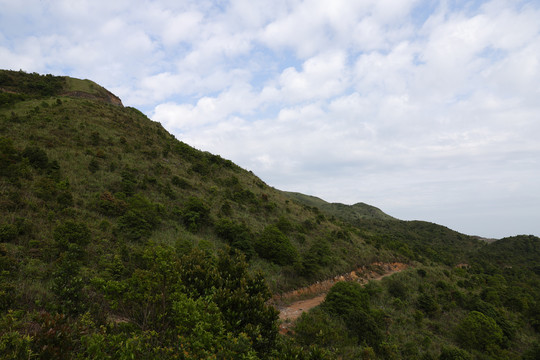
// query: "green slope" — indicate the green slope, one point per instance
point(117, 240)
point(79, 157)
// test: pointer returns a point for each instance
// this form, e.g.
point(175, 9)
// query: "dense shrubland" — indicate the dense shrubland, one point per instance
point(119, 241)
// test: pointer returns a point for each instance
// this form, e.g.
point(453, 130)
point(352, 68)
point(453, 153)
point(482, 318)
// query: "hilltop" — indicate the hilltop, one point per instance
point(119, 240)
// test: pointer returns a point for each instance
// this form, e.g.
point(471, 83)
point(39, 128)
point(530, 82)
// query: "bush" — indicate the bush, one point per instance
point(8, 232)
point(364, 324)
point(427, 304)
point(478, 332)
point(318, 255)
point(397, 289)
point(36, 156)
point(454, 353)
point(345, 298)
point(274, 246)
point(140, 219)
point(318, 328)
point(9, 158)
point(71, 232)
point(180, 182)
point(110, 205)
point(237, 235)
point(195, 214)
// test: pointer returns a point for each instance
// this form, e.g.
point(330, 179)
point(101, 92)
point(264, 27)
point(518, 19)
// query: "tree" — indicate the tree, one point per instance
point(478, 331)
point(273, 245)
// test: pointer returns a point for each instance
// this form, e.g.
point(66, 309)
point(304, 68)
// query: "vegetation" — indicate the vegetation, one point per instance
point(119, 241)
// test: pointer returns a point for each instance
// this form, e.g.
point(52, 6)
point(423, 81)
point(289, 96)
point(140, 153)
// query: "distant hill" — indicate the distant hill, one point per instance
point(346, 212)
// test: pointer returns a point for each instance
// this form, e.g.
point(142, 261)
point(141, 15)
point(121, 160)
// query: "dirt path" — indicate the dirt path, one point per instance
point(292, 304)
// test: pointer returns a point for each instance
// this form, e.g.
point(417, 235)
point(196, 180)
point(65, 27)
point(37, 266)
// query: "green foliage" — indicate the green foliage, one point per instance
point(454, 353)
point(316, 257)
point(31, 84)
point(427, 304)
point(398, 289)
point(37, 157)
point(8, 232)
point(98, 249)
point(350, 302)
point(68, 284)
point(180, 182)
point(9, 158)
point(274, 246)
point(141, 217)
point(319, 328)
point(110, 205)
point(237, 235)
point(71, 232)
point(213, 305)
point(533, 353)
point(478, 331)
point(13, 343)
point(195, 214)
point(346, 298)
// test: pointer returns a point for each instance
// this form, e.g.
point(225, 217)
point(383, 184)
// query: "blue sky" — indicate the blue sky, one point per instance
point(426, 109)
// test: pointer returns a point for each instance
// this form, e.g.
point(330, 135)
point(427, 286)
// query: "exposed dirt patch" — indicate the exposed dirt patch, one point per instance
point(292, 304)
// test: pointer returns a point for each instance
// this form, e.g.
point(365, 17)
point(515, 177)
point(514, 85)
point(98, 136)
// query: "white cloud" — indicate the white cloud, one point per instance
point(322, 77)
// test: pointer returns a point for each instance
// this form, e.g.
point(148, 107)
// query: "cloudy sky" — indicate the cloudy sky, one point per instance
point(426, 109)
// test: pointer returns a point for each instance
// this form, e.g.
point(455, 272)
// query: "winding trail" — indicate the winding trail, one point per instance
point(292, 304)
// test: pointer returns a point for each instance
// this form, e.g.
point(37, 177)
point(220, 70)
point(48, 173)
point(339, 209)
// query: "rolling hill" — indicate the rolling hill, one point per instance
point(118, 240)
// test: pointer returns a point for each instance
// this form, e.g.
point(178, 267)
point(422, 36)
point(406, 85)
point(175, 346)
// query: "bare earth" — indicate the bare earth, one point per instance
point(292, 304)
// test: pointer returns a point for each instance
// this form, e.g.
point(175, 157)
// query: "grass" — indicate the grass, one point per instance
point(86, 86)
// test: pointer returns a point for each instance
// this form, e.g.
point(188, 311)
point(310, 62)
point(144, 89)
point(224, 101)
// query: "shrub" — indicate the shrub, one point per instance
point(345, 298)
point(318, 255)
point(71, 232)
point(427, 304)
point(397, 289)
point(180, 182)
point(93, 166)
point(140, 219)
point(454, 353)
point(195, 214)
point(36, 156)
point(478, 331)
point(110, 205)
point(68, 285)
point(365, 326)
point(8, 232)
point(237, 235)
point(8, 158)
point(318, 328)
point(274, 246)
point(13, 344)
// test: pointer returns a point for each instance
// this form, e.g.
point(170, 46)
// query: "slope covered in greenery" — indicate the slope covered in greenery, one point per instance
point(119, 241)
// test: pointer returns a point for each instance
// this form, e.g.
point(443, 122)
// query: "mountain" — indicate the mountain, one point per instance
point(118, 240)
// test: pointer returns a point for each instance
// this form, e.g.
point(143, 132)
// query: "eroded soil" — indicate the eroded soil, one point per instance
point(292, 304)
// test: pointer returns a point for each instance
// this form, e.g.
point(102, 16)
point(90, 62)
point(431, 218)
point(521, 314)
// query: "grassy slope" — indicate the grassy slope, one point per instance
point(98, 153)
point(99, 147)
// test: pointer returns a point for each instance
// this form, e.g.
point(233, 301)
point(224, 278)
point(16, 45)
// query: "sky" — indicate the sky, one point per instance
point(429, 110)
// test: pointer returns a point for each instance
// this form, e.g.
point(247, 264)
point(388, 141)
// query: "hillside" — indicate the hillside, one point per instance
point(118, 240)
point(348, 213)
